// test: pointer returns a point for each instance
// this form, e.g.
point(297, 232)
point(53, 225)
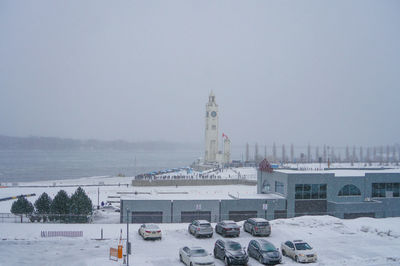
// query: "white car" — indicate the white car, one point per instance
point(195, 256)
point(150, 231)
point(299, 250)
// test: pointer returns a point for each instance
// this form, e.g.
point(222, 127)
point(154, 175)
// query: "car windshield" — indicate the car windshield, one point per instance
point(151, 226)
point(262, 224)
point(233, 246)
point(302, 246)
point(205, 225)
point(198, 253)
point(267, 247)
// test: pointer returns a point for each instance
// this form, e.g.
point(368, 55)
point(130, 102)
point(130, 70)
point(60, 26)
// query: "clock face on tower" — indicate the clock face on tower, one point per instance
point(213, 114)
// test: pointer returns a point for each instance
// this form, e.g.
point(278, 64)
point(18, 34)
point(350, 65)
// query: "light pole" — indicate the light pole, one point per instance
point(128, 248)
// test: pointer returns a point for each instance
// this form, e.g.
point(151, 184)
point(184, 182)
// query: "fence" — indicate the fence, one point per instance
point(61, 233)
point(46, 218)
point(193, 182)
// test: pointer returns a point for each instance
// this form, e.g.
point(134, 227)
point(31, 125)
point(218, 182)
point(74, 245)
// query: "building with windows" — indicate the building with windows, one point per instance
point(344, 193)
point(281, 193)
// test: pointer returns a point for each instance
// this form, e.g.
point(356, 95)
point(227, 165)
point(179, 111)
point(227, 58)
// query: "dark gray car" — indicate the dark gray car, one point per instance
point(231, 252)
point(227, 228)
point(263, 251)
point(257, 227)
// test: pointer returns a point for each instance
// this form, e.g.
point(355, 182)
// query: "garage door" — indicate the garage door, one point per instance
point(146, 217)
point(241, 215)
point(358, 215)
point(188, 217)
point(310, 207)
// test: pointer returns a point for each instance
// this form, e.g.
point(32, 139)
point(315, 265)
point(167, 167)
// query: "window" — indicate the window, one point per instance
point(310, 191)
point(349, 190)
point(266, 187)
point(383, 190)
point(299, 192)
point(307, 191)
point(314, 191)
point(279, 187)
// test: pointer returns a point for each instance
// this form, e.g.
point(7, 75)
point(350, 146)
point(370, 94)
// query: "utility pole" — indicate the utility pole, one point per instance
point(128, 245)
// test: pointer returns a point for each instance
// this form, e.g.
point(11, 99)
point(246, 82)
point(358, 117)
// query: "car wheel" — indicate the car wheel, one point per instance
point(180, 258)
point(252, 232)
point(296, 259)
point(191, 264)
point(227, 261)
point(215, 254)
point(211, 235)
point(260, 259)
point(283, 252)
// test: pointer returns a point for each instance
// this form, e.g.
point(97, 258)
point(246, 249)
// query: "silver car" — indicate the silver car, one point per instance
point(194, 256)
point(299, 250)
point(200, 228)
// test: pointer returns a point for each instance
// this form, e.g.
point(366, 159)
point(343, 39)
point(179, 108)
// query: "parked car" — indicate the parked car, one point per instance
point(150, 231)
point(257, 226)
point(299, 250)
point(264, 251)
point(194, 256)
point(200, 228)
point(231, 252)
point(227, 228)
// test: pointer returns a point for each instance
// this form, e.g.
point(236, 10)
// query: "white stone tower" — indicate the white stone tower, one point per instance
point(211, 133)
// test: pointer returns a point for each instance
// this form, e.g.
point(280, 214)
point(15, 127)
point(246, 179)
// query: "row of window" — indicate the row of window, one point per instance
point(318, 191)
point(310, 191)
point(383, 190)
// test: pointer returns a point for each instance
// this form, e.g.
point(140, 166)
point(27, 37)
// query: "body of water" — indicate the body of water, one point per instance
point(36, 165)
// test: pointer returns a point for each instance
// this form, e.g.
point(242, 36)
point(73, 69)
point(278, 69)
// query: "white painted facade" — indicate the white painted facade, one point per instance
point(211, 131)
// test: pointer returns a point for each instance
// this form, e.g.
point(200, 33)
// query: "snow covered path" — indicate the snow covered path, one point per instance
point(363, 241)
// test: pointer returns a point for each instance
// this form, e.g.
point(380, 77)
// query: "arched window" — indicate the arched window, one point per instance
point(266, 187)
point(349, 190)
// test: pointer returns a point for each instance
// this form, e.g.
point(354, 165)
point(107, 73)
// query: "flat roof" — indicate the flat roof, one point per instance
point(199, 193)
point(341, 172)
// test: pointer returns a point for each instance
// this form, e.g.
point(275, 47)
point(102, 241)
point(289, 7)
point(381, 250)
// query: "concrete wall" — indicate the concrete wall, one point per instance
point(145, 205)
point(339, 209)
point(219, 208)
point(190, 205)
point(252, 205)
point(193, 182)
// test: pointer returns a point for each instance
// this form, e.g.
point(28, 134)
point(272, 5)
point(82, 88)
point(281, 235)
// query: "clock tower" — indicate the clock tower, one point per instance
point(211, 133)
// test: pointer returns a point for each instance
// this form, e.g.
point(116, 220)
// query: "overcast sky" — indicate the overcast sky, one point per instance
point(285, 71)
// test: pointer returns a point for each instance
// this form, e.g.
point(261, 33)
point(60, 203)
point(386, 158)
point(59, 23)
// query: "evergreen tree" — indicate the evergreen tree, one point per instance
point(61, 206)
point(22, 206)
point(42, 205)
point(81, 205)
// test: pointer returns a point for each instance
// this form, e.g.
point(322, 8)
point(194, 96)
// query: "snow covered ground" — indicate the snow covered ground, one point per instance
point(363, 241)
